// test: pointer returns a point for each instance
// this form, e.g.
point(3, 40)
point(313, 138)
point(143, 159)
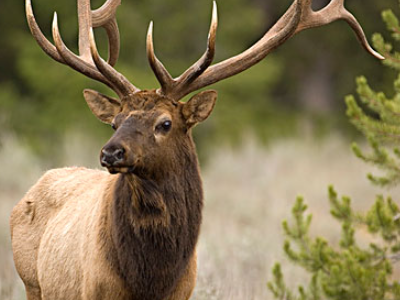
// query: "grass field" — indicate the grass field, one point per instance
point(249, 191)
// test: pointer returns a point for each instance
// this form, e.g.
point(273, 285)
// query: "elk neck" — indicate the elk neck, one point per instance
point(155, 224)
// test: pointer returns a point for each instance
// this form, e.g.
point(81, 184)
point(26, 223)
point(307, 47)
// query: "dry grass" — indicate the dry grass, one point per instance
point(18, 171)
point(249, 191)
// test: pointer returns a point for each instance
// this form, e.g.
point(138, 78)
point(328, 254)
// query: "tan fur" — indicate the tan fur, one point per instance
point(59, 220)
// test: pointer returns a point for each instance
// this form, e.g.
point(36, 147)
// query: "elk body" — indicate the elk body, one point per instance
point(131, 233)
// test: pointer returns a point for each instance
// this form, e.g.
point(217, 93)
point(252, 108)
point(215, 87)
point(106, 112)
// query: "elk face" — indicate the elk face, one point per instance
point(151, 131)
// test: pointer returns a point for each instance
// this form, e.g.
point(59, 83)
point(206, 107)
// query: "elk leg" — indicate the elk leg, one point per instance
point(33, 293)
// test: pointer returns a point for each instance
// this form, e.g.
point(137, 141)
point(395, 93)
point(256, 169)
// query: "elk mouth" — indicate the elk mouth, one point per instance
point(116, 161)
point(121, 169)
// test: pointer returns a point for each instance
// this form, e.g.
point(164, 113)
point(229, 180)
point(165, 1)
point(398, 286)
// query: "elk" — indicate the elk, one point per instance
point(131, 232)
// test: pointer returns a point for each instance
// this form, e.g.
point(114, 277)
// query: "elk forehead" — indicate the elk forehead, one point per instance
point(145, 101)
point(147, 108)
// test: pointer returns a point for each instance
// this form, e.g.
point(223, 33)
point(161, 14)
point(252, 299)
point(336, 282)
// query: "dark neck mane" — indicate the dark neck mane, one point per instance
point(154, 229)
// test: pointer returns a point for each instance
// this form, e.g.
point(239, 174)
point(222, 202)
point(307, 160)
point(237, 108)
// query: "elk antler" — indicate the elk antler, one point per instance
point(298, 17)
point(170, 86)
point(88, 62)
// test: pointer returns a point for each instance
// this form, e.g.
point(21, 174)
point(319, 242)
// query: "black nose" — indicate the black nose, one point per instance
point(112, 156)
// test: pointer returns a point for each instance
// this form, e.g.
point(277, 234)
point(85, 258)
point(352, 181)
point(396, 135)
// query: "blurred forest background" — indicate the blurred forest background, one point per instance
point(267, 120)
point(41, 100)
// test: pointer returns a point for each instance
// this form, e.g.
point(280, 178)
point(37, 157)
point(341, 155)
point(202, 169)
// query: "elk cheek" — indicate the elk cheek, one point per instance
point(134, 157)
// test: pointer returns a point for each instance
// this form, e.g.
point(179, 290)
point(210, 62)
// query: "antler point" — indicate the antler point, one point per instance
point(380, 56)
point(150, 30)
point(28, 8)
point(55, 24)
point(150, 34)
point(215, 11)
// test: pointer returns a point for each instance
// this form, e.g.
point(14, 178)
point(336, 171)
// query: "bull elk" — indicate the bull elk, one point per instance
point(131, 233)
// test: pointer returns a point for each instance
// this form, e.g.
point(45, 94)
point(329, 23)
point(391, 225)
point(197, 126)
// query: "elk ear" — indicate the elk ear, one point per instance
point(103, 107)
point(199, 107)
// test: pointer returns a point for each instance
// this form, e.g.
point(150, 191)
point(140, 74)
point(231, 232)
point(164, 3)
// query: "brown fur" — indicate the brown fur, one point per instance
point(86, 234)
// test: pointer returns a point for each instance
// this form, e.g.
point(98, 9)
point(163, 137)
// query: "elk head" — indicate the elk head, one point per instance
point(156, 120)
point(151, 130)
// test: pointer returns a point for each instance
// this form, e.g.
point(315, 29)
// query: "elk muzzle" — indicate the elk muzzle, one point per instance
point(113, 157)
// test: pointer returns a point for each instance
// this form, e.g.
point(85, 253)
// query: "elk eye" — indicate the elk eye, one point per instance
point(164, 126)
point(113, 126)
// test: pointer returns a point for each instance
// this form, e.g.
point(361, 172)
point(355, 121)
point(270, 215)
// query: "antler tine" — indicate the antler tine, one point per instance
point(164, 78)
point(85, 25)
point(113, 41)
point(47, 47)
point(102, 17)
point(352, 21)
point(72, 60)
point(85, 63)
point(62, 54)
point(335, 10)
point(298, 17)
point(174, 87)
point(118, 80)
point(282, 30)
point(206, 59)
point(105, 13)
point(105, 17)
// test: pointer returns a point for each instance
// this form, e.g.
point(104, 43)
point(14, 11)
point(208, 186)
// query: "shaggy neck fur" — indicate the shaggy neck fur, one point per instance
point(154, 228)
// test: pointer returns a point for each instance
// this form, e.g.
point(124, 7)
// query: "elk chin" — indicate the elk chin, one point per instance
point(130, 165)
point(121, 170)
